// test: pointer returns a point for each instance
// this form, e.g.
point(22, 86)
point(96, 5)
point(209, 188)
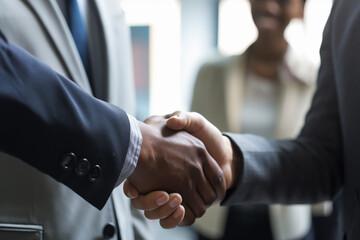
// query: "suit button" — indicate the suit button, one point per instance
point(68, 162)
point(109, 230)
point(94, 173)
point(83, 167)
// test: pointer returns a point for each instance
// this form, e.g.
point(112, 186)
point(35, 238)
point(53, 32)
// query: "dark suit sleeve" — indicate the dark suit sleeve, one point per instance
point(307, 169)
point(49, 122)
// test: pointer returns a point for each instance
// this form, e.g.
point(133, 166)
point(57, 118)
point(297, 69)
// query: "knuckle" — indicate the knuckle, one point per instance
point(200, 148)
point(195, 170)
point(219, 180)
point(203, 154)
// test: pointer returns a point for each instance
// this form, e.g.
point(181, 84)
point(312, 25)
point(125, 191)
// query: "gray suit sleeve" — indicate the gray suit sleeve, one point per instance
point(306, 169)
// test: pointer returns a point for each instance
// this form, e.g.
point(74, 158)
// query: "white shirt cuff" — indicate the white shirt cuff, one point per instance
point(133, 152)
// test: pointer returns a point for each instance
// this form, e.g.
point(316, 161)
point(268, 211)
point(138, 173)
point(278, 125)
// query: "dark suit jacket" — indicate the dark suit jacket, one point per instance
point(325, 158)
point(45, 117)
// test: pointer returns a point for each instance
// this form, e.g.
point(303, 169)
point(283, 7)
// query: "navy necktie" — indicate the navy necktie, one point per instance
point(78, 30)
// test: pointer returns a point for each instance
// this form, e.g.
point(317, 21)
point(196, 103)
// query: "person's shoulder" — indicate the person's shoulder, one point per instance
point(219, 62)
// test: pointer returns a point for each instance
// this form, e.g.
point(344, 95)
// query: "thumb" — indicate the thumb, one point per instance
point(198, 126)
point(216, 144)
point(191, 122)
point(129, 190)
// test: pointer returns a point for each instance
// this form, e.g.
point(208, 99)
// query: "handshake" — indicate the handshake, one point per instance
point(185, 165)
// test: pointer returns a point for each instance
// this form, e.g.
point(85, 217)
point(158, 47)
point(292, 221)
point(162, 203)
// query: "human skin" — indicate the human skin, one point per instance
point(271, 17)
point(219, 146)
point(157, 205)
point(177, 162)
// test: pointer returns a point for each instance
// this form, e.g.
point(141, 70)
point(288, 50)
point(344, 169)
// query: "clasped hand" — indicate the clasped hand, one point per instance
point(183, 164)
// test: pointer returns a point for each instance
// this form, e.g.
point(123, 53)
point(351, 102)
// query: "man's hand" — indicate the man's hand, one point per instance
point(157, 205)
point(219, 146)
point(178, 162)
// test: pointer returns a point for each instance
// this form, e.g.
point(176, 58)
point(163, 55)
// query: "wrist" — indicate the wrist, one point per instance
point(233, 166)
point(146, 151)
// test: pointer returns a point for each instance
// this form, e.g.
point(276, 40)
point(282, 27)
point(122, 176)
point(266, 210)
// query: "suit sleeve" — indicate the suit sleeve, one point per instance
point(50, 123)
point(305, 170)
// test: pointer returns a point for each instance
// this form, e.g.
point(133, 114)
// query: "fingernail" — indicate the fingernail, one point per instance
point(175, 116)
point(129, 195)
point(162, 200)
point(177, 213)
point(174, 202)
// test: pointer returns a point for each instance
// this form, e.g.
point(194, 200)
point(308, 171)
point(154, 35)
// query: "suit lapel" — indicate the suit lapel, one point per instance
point(289, 96)
point(53, 21)
point(234, 87)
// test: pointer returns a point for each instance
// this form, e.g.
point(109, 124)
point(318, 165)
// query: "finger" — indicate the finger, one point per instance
point(167, 209)
point(203, 185)
point(197, 205)
point(215, 176)
point(189, 217)
point(129, 190)
point(207, 194)
point(191, 122)
point(200, 127)
point(150, 201)
point(174, 219)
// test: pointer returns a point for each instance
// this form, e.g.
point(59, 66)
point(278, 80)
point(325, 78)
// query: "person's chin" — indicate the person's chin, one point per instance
point(268, 25)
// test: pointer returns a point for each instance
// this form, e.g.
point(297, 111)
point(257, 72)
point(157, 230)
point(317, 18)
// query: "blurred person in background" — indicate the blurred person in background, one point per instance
point(265, 91)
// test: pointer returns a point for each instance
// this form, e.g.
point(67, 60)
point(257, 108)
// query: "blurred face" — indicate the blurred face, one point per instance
point(272, 16)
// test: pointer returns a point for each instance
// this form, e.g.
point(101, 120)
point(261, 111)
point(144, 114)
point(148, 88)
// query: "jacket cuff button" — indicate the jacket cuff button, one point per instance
point(94, 173)
point(68, 162)
point(83, 167)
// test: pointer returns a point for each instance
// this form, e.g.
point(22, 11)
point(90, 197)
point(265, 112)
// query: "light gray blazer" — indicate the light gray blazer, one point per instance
point(33, 205)
point(325, 159)
point(219, 96)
